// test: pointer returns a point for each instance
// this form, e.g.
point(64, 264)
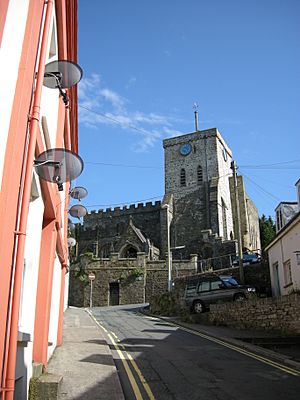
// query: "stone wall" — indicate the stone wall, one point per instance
point(137, 279)
point(280, 315)
point(105, 227)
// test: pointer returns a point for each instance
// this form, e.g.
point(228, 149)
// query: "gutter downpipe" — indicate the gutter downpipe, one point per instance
point(64, 267)
point(9, 378)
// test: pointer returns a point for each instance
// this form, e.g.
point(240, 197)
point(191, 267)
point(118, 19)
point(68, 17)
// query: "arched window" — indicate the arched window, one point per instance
point(224, 218)
point(199, 174)
point(105, 250)
point(182, 177)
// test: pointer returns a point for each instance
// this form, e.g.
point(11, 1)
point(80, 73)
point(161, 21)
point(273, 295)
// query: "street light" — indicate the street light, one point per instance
point(167, 206)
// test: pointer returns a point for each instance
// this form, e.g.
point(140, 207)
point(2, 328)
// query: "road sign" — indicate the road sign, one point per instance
point(92, 276)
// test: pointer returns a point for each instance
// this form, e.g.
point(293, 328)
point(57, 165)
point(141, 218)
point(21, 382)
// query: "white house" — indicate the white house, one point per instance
point(284, 252)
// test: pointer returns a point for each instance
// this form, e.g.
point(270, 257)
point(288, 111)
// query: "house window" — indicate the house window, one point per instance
point(199, 174)
point(182, 177)
point(298, 258)
point(287, 273)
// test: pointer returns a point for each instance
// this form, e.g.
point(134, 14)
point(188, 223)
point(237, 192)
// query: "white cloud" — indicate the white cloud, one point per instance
point(100, 105)
point(130, 83)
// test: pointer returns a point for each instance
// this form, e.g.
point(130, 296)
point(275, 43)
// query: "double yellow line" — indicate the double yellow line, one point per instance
point(127, 360)
point(257, 357)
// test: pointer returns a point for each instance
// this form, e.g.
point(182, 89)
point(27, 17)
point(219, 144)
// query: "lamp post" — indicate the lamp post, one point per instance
point(167, 206)
point(238, 222)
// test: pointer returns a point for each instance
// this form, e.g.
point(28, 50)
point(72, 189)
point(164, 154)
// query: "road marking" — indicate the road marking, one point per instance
point(262, 359)
point(120, 352)
point(134, 385)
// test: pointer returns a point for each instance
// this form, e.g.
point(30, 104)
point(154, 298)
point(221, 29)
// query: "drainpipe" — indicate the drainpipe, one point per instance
point(9, 377)
point(64, 267)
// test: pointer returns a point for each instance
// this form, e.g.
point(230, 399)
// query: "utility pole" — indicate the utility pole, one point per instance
point(238, 222)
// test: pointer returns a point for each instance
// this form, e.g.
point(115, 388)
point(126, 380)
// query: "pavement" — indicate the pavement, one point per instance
point(86, 363)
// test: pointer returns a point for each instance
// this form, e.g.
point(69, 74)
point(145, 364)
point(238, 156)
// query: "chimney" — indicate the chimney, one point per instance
point(298, 193)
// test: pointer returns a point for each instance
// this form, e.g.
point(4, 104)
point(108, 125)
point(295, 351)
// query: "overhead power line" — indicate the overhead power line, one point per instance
point(273, 165)
point(117, 121)
point(123, 165)
point(260, 187)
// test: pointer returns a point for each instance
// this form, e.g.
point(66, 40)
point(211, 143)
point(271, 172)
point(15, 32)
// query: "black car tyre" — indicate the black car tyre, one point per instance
point(198, 307)
point(239, 297)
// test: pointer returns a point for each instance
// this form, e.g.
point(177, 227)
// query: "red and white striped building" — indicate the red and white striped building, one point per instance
point(33, 213)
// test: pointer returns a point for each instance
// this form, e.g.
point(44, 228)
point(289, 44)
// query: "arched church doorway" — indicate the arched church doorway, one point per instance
point(129, 252)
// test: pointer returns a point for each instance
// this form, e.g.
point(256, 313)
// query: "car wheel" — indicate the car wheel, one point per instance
point(239, 297)
point(198, 307)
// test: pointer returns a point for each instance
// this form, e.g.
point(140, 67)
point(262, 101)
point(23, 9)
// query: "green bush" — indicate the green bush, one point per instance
point(166, 304)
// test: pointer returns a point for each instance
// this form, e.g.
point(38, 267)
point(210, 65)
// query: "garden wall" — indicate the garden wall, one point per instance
point(280, 315)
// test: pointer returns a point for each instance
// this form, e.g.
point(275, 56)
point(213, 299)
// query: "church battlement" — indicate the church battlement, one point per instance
point(125, 210)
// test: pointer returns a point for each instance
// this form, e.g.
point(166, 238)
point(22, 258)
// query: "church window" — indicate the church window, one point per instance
point(199, 174)
point(224, 218)
point(182, 177)
point(105, 251)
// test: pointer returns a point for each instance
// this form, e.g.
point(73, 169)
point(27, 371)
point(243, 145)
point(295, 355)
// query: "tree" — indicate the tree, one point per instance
point(267, 230)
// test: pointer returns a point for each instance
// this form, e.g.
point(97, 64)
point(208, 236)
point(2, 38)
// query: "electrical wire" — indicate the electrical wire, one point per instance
point(261, 188)
point(122, 165)
point(117, 121)
point(273, 165)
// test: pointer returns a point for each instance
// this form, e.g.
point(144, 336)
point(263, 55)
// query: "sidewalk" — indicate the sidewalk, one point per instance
point(85, 361)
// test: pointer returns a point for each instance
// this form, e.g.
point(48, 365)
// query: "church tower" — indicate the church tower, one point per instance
point(197, 171)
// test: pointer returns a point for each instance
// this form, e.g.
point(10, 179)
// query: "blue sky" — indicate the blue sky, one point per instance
point(147, 62)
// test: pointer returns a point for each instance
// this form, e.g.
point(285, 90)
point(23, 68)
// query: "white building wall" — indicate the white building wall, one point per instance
point(10, 54)
point(49, 109)
point(55, 300)
point(287, 247)
point(224, 159)
point(28, 293)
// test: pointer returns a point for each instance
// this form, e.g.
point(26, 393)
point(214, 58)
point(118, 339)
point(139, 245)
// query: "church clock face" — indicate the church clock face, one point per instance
point(185, 149)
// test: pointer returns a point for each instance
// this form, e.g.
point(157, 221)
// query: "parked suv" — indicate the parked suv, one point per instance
point(200, 292)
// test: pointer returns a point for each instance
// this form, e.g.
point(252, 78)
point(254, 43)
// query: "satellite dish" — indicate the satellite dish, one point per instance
point(62, 74)
point(78, 211)
point(78, 193)
point(71, 226)
point(58, 165)
point(71, 242)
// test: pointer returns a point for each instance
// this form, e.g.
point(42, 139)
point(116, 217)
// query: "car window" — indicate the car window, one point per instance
point(230, 282)
point(216, 285)
point(203, 286)
point(191, 287)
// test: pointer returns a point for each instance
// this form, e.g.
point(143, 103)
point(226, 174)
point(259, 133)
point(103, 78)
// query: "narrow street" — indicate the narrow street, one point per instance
point(157, 360)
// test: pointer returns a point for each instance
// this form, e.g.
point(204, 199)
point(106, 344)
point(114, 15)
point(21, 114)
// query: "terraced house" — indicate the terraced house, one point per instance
point(38, 120)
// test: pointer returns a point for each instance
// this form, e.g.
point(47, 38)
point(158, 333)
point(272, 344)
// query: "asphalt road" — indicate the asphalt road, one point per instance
point(157, 360)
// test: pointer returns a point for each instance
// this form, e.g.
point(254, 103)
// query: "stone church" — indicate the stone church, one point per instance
point(197, 214)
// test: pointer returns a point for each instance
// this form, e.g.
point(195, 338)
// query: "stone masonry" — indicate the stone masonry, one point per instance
point(196, 210)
